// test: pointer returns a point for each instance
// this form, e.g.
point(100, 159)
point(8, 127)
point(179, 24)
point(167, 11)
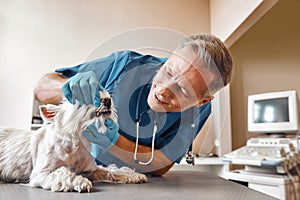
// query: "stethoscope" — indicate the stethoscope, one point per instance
point(138, 120)
point(138, 116)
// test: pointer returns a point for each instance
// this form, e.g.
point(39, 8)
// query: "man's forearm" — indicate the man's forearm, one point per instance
point(124, 150)
point(48, 89)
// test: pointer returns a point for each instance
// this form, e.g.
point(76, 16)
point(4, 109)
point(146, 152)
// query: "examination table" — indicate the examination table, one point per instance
point(175, 185)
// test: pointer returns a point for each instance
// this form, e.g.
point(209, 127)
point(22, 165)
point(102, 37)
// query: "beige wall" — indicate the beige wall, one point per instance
point(225, 18)
point(267, 58)
point(38, 36)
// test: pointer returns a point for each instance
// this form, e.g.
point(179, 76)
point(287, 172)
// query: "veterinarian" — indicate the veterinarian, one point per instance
point(162, 103)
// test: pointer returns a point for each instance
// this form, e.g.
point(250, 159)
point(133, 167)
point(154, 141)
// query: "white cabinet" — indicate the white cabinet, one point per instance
point(36, 120)
point(275, 185)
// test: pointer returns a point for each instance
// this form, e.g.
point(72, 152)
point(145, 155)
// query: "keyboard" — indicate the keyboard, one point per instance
point(261, 152)
point(258, 156)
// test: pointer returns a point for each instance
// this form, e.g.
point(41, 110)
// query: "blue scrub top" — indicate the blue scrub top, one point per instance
point(127, 76)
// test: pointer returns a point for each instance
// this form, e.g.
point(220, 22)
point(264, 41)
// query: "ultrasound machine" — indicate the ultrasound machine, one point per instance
point(273, 117)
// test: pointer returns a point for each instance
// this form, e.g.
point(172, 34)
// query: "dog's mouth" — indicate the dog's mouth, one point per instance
point(104, 110)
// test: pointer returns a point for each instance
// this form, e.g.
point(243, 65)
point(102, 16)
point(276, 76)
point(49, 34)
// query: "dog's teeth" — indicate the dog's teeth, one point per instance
point(102, 109)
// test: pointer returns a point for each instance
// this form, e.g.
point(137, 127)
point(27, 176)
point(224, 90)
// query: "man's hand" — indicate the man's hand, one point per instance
point(84, 88)
point(106, 140)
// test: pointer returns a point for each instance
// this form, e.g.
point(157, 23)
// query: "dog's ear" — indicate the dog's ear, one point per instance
point(48, 112)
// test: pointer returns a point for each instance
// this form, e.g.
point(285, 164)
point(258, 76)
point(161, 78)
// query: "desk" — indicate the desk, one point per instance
point(176, 184)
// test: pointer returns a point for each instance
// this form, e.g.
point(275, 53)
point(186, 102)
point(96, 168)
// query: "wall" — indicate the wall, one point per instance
point(230, 19)
point(267, 58)
point(225, 18)
point(38, 36)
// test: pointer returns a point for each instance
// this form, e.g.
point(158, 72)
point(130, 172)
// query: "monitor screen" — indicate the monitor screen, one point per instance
point(271, 110)
point(274, 112)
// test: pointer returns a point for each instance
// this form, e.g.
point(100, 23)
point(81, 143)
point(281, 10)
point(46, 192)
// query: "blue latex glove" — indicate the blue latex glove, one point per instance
point(83, 87)
point(106, 140)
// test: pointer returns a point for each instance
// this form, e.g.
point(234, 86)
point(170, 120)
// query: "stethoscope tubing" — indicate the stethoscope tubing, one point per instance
point(138, 116)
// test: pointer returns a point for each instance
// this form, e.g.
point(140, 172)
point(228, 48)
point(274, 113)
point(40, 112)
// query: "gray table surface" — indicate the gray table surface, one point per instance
point(173, 185)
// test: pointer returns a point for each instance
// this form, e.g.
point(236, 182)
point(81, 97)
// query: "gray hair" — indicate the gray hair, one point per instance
point(214, 54)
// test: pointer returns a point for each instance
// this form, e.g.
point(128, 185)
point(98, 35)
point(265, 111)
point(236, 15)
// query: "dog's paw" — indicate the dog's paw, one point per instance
point(82, 184)
point(130, 178)
point(137, 178)
point(63, 180)
point(79, 184)
point(127, 175)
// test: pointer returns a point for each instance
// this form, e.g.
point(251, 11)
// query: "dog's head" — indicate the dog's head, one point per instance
point(106, 110)
point(106, 105)
point(82, 115)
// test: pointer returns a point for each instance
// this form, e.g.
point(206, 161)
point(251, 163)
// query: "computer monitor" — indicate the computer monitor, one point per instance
point(273, 113)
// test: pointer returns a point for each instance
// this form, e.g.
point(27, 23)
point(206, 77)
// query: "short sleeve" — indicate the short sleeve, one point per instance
point(98, 66)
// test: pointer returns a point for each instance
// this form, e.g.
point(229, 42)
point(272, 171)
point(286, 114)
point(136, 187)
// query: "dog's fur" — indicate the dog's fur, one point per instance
point(56, 156)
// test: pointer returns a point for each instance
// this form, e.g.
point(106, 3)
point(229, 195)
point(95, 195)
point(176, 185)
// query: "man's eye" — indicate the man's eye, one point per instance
point(168, 71)
point(183, 91)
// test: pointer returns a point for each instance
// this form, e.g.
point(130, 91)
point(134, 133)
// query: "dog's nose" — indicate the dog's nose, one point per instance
point(106, 102)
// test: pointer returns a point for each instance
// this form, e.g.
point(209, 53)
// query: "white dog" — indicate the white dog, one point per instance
point(56, 156)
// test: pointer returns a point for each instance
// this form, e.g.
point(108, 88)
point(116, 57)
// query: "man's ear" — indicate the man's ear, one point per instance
point(48, 112)
point(205, 100)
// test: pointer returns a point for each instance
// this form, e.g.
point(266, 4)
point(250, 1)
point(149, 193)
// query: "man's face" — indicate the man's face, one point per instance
point(178, 85)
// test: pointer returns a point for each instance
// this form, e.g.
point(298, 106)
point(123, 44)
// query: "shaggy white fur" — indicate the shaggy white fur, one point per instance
point(56, 156)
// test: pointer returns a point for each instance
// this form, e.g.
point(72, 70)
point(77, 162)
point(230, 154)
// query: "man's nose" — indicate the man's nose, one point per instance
point(164, 91)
